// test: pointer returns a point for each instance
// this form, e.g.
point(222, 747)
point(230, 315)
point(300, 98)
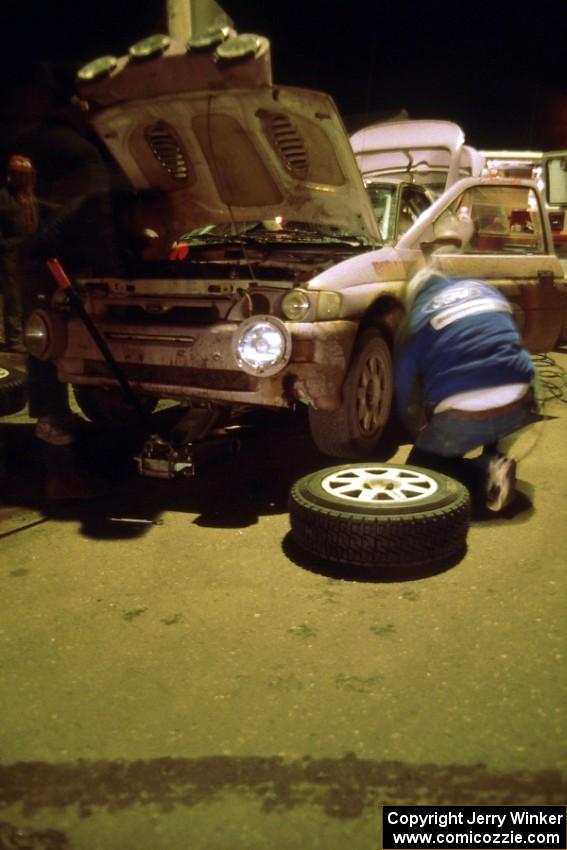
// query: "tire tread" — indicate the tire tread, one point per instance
point(13, 391)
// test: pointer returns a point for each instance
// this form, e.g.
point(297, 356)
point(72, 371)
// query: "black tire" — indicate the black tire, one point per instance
point(354, 430)
point(380, 515)
point(13, 394)
point(106, 406)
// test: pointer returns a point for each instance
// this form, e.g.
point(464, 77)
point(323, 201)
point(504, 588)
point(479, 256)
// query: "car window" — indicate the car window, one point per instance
point(383, 200)
point(413, 203)
point(395, 211)
point(415, 200)
point(505, 219)
point(556, 181)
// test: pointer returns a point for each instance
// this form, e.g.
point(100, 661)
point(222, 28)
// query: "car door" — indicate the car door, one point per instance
point(507, 242)
point(555, 180)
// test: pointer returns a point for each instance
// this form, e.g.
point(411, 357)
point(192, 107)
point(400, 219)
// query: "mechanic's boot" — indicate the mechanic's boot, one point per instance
point(500, 482)
point(57, 430)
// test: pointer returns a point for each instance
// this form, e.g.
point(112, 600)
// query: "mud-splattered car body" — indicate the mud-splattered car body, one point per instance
point(279, 290)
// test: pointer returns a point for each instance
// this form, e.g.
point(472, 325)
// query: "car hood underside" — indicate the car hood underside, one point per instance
point(241, 155)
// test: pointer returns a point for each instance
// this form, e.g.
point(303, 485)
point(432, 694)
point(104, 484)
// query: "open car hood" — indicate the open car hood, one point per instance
point(239, 154)
point(420, 149)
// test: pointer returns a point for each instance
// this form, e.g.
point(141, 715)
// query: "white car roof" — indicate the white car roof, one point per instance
point(415, 147)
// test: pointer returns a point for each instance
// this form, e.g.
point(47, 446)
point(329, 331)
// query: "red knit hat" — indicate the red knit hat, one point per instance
point(21, 164)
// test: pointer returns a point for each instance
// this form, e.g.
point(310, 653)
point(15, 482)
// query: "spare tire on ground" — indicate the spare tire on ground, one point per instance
point(13, 395)
point(380, 515)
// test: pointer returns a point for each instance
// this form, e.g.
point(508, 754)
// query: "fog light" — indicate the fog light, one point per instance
point(211, 38)
point(262, 345)
point(150, 47)
point(97, 69)
point(45, 335)
point(295, 305)
point(239, 47)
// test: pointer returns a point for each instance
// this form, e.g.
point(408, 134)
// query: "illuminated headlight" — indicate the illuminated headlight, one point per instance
point(262, 345)
point(295, 305)
point(45, 335)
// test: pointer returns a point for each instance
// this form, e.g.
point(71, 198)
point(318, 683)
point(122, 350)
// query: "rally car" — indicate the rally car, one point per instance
point(277, 287)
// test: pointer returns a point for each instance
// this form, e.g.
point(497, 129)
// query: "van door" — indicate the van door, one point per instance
point(555, 179)
point(508, 244)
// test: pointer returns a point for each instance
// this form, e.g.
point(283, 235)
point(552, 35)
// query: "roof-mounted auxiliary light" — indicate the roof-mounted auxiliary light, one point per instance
point(97, 69)
point(239, 47)
point(149, 48)
point(210, 39)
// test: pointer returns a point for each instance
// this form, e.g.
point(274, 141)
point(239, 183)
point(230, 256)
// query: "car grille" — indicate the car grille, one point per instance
point(158, 314)
point(214, 379)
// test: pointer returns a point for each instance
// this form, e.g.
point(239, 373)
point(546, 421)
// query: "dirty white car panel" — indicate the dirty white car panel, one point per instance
point(508, 243)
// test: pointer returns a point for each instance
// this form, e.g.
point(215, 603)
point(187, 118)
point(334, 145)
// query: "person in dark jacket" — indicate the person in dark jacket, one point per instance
point(103, 233)
point(463, 381)
point(19, 218)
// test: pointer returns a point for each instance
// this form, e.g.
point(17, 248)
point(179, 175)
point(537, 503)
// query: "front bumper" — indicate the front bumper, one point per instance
point(198, 362)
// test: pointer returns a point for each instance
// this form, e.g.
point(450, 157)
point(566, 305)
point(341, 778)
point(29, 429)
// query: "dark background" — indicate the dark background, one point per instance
point(499, 69)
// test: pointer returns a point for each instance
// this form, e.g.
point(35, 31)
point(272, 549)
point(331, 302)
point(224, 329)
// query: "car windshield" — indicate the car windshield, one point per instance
point(272, 230)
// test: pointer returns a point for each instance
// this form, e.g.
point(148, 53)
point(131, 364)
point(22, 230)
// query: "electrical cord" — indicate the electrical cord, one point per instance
point(551, 379)
point(550, 384)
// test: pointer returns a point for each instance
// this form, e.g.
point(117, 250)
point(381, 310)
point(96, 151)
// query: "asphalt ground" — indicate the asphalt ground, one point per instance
point(195, 682)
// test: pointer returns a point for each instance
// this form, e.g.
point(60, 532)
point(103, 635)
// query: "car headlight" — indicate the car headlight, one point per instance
point(45, 335)
point(262, 345)
point(295, 305)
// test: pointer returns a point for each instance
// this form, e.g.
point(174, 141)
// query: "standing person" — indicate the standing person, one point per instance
point(463, 382)
point(19, 217)
point(40, 116)
point(101, 233)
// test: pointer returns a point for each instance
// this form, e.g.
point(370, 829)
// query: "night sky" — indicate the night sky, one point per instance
point(498, 69)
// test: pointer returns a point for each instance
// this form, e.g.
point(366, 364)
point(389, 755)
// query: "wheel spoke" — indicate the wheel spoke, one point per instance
point(418, 489)
point(370, 396)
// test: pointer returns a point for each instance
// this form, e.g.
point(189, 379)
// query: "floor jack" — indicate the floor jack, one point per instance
point(192, 442)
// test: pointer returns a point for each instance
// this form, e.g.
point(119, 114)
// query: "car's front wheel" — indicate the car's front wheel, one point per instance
point(353, 431)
